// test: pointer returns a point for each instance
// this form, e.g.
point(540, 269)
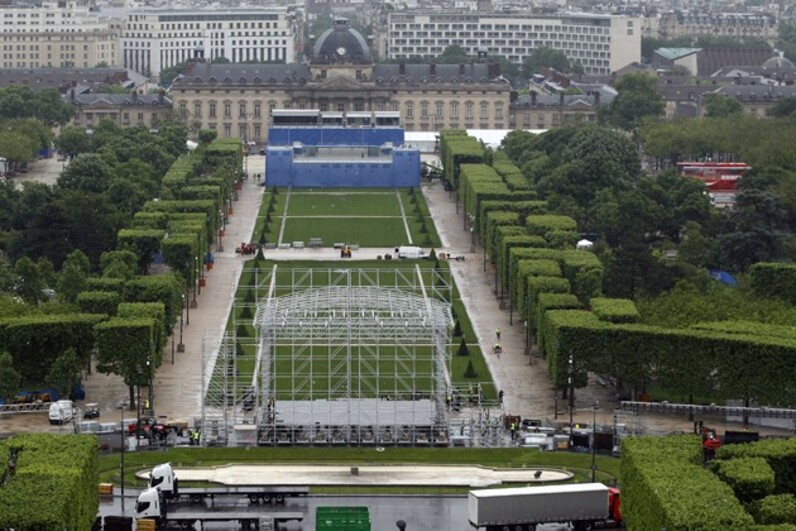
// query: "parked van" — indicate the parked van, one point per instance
point(62, 412)
point(408, 251)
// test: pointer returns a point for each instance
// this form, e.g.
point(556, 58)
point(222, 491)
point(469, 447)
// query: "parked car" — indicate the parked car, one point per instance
point(92, 411)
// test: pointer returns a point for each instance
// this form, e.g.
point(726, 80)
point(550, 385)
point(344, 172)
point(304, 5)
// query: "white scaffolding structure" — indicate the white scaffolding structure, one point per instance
point(339, 356)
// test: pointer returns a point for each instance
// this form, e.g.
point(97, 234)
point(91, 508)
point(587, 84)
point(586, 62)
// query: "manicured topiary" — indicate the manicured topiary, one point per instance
point(457, 329)
point(470, 371)
point(463, 350)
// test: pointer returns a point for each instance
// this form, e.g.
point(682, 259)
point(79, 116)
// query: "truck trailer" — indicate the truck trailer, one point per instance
point(151, 506)
point(162, 478)
point(584, 506)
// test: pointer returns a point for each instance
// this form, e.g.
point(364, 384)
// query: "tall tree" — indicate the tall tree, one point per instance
point(87, 173)
point(30, 285)
point(783, 108)
point(73, 275)
point(10, 379)
point(638, 98)
point(73, 141)
point(545, 57)
point(66, 372)
point(721, 106)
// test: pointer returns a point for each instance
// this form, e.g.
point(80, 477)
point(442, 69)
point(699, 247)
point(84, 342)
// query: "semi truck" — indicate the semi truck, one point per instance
point(151, 506)
point(583, 506)
point(163, 479)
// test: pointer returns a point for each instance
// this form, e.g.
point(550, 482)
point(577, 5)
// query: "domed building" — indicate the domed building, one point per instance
point(341, 44)
point(778, 61)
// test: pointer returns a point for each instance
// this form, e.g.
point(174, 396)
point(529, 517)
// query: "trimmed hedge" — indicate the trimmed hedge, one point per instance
point(541, 224)
point(55, 484)
point(774, 280)
point(151, 310)
point(123, 346)
point(751, 478)
point(615, 310)
point(456, 147)
point(150, 220)
point(523, 208)
point(102, 302)
point(496, 219)
point(508, 240)
point(665, 487)
point(780, 454)
point(775, 509)
point(549, 301)
point(115, 285)
point(167, 289)
point(145, 243)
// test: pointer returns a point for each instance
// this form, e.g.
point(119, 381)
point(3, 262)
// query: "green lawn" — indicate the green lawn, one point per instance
point(376, 232)
point(344, 204)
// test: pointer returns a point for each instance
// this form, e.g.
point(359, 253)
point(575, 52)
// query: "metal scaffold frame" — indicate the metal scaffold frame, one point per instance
point(339, 356)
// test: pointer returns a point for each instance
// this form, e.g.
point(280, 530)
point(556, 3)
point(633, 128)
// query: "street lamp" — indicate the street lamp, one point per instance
point(199, 274)
point(571, 398)
point(593, 441)
point(220, 247)
point(195, 280)
point(124, 443)
point(181, 345)
point(472, 233)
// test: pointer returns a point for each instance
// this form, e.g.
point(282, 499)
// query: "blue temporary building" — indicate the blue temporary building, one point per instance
point(335, 136)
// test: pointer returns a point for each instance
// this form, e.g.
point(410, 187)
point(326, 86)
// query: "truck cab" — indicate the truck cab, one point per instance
point(162, 479)
point(614, 505)
point(150, 505)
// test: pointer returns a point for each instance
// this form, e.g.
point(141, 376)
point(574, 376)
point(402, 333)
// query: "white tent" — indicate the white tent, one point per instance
point(584, 244)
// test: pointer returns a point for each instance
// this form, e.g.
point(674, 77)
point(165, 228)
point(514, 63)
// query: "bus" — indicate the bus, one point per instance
point(717, 176)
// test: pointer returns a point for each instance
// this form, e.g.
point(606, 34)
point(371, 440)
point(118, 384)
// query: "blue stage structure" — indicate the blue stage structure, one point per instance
point(314, 149)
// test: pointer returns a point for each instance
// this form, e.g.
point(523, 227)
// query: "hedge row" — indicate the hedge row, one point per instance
point(496, 219)
point(456, 147)
point(55, 484)
point(615, 310)
point(101, 302)
point(549, 301)
point(665, 487)
point(780, 454)
point(775, 509)
point(508, 239)
point(685, 360)
point(522, 207)
point(123, 347)
point(751, 478)
point(509, 172)
point(774, 280)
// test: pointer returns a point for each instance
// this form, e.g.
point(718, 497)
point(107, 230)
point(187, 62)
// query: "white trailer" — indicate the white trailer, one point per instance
point(584, 506)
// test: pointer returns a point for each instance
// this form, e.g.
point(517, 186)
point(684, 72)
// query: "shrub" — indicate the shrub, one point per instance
point(615, 310)
point(102, 302)
point(750, 478)
point(463, 350)
point(780, 454)
point(457, 329)
point(470, 371)
point(774, 280)
point(775, 509)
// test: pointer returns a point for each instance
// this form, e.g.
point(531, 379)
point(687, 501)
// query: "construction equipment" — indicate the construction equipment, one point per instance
point(345, 252)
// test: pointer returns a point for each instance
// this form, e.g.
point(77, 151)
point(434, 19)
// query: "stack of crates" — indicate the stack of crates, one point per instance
point(342, 519)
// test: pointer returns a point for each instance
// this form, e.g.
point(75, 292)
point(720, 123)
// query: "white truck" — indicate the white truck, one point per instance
point(62, 412)
point(152, 506)
point(411, 252)
point(163, 478)
point(584, 506)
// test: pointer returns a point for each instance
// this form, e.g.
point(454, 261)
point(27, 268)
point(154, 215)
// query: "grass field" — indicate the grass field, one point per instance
point(399, 273)
point(338, 216)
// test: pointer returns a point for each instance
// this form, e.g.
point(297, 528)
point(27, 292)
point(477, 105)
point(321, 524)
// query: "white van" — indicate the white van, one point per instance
point(62, 412)
point(408, 251)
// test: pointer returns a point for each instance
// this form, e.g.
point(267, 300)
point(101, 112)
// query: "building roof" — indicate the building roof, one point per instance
point(711, 60)
point(568, 101)
point(758, 92)
point(434, 73)
point(672, 54)
point(62, 78)
point(341, 44)
point(245, 73)
point(116, 100)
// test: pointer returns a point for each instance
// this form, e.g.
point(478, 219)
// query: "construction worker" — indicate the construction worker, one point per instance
point(500, 397)
point(497, 333)
point(498, 349)
point(513, 429)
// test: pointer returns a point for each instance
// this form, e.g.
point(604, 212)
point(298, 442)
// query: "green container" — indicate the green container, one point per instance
point(342, 519)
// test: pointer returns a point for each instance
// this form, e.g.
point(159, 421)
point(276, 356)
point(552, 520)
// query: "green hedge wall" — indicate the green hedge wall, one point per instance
point(55, 485)
point(775, 509)
point(102, 302)
point(150, 220)
point(35, 341)
point(584, 271)
point(115, 285)
point(774, 280)
point(496, 219)
point(541, 224)
point(751, 478)
point(145, 243)
point(556, 332)
point(523, 208)
point(167, 289)
point(780, 454)
point(152, 310)
point(508, 241)
point(665, 487)
point(527, 270)
point(615, 310)
point(549, 301)
point(456, 147)
point(123, 346)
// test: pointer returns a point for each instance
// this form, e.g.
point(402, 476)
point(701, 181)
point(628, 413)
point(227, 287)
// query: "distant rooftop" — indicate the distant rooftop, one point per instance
point(675, 53)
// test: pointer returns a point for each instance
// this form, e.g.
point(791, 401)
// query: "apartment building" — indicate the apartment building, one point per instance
point(55, 34)
point(600, 43)
point(158, 39)
point(683, 22)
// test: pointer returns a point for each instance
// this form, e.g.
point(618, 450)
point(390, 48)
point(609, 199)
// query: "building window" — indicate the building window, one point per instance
point(212, 110)
point(468, 111)
point(410, 111)
point(424, 110)
point(359, 106)
point(341, 107)
point(256, 110)
point(227, 130)
point(242, 110)
point(257, 131)
point(140, 117)
point(394, 106)
point(183, 110)
point(438, 112)
point(454, 111)
point(197, 109)
point(498, 112)
point(242, 131)
point(324, 107)
point(484, 110)
point(228, 112)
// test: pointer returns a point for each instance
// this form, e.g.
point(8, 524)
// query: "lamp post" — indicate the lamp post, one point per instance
point(220, 246)
point(123, 441)
point(571, 399)
point(472, 233)
point(196, 278)
point(199, 274)
point(181, 346)
point(150, 400)
point(593, 440)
